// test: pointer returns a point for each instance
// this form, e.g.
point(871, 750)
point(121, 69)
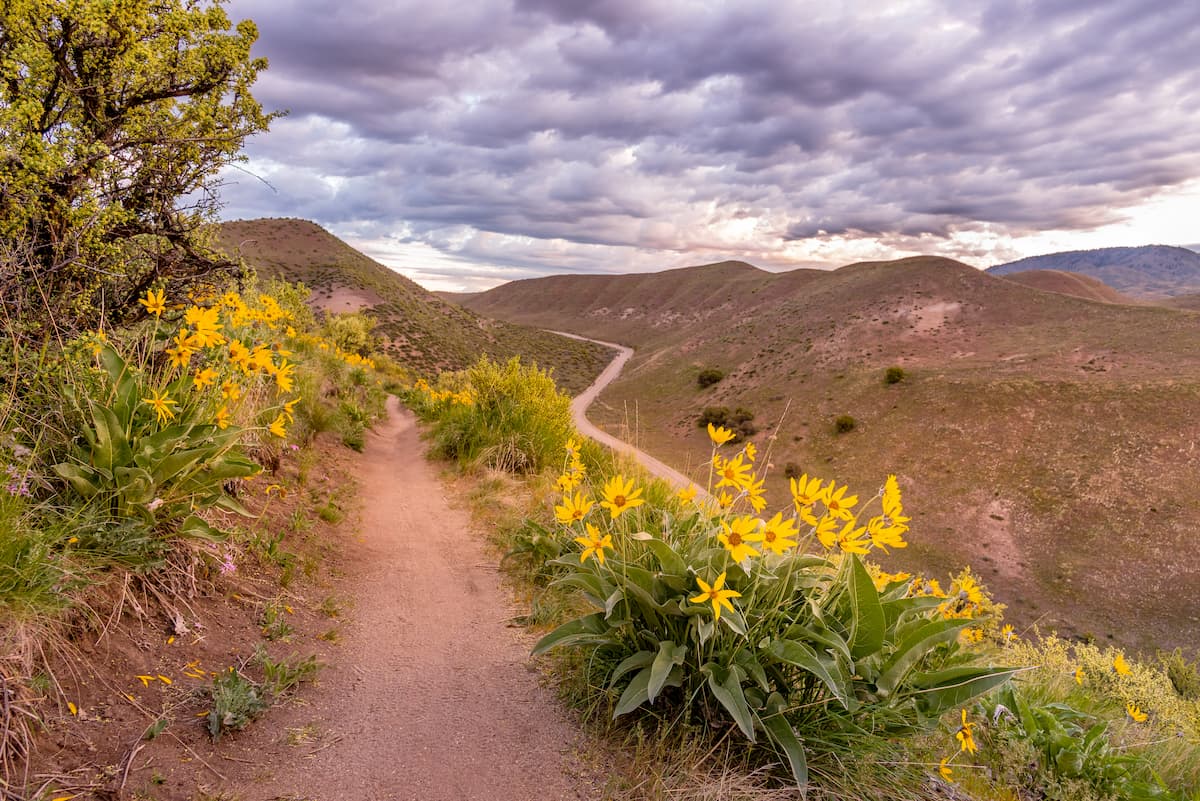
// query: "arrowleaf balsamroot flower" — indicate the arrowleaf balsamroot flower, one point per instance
point(222, 418)
point(719, 434)
point(853, 540)
point(837, 503)
point(278, 426)
point(688, 495)
point(573, 509)
point(714, 594)
point(204, 378)
point(1135, 714)
point(737, 535)
point(155, 302)
point(161, 403)
point(620, 495)
point(733, 472)
point(945, 770)
point(283, 376)
point(594, 544)
point(965, 739)
point(779, 535)
point(1120, 665)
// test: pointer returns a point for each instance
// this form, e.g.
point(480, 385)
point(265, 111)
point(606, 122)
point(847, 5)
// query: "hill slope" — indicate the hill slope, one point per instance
point(1150, 271)
point(1077, 284)
point(423, 331)
point(1045, 439)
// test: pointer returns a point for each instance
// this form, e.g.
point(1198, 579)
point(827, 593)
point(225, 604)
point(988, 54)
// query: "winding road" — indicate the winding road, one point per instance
point(580, 404)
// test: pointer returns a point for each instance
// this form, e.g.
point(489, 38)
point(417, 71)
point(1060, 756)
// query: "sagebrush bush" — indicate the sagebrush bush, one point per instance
point(844, 424)
point(894, 375)
point(709, 376)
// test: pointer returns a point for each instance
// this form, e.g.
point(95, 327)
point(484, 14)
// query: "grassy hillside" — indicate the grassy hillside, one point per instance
point(422, 331)
point(1148, 272)
point(1045, 439)
point(1077, 284)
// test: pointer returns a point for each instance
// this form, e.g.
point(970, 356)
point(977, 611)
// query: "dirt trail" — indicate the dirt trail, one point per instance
point(431, 696)
point(580, 404)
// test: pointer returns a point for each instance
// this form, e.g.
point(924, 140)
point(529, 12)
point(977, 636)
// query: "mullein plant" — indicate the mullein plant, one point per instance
point(774, 619)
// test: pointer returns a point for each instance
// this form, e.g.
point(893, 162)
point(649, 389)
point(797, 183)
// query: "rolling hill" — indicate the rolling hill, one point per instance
point(422, 331)
point(1045, 439)
point(1147, 272)
point(1077, 284)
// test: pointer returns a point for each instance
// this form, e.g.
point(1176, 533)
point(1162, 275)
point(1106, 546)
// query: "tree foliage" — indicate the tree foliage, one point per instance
point(115, 117)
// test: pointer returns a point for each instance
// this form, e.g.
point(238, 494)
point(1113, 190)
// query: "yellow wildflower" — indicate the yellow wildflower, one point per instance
point(230, 390)
point(1120, 665)
point(204, 378)
point(853, 540)
point(737, 535)
point(733, 472)
point(1079, 675)
point(283, 376)
point(944, 769)
point(837, 502)
point(778, 534)
point(572, 448)
point(74, 710)
point(573, 509)
point(724, 500)
point(1007, 633)
point(565, 483)
point(751, 451)
point(594, 544)
point(826, 530)
point(719, 434)
point(1135, 714)
point(754, 493)
point(207, 325)
point(806, 491)
point(714, 594)
point(278, 426)
point(289, 408)
point(239, 354)
point(619, 495)
point(161, 403)
point(154, 302)
point(261, 358)
point(884, 536)
point(963, 735)
point(222, 418)
point(688, 495)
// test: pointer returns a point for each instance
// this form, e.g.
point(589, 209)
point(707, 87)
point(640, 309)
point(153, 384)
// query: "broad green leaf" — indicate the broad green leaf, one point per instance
point(822, 636)
point(134, 484)
point(726, 686)
point(639, 660)
point(913, 648)
point(945, 689)
point(111, 446)
point(81, 479)
point(229, 467)
point(587, 629)
point(804, 657)
point(232, 504)
point(752, 668)
point(669, 655)
point(777, 727)
point(637, 694)
point(193, 526)
point(705, 628)
point(734, 621)
point(866, 624)
point(668, 559)
point(171, 466)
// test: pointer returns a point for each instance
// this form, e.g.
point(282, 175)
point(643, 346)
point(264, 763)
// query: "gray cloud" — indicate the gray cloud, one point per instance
point(550, 135)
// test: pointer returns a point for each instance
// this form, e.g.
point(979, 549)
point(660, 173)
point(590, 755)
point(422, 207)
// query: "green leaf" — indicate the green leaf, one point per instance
point(668, 559)
point(777, 727)
point(823, 636)
point(134, 485)
point(81, 479)
point(637, 693)
point(232, 504)
point(866, 613)
point(170, 466)
point(913, 648)
point(111, 446)
point(194, 527)
point(669, 655)
point(945, 689)
point(804, 657)
point(753, 668)
point(587, 629)
point(726, 686)
point(639, 660)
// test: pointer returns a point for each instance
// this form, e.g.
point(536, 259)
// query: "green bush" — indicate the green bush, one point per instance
point(894, 375)
point(739, 421)
point(844, 424)
point(509, 417)
point(792, 470)
point(709, 376)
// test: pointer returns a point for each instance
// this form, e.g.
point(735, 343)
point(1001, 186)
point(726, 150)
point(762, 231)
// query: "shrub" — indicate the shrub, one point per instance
point(739, 421)
point(802, 647)
point(792, 470)
point(894, 375)
point(844, 424)
point(709, 376)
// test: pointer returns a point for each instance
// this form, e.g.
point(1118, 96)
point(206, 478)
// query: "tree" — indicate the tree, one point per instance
point(115, 117)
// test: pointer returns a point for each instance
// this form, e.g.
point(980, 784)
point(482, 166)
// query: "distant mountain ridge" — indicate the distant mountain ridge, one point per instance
point(1150, 272)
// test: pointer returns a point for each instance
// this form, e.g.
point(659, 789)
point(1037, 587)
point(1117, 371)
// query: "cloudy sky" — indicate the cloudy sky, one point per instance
point(469, 143)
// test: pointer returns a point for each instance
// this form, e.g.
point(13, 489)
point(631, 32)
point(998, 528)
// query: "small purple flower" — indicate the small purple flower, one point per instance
point(18, 482)
point(228, 566)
